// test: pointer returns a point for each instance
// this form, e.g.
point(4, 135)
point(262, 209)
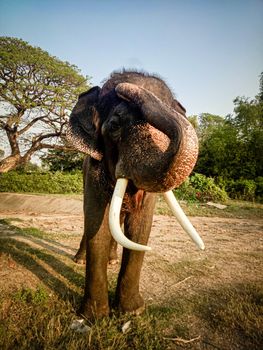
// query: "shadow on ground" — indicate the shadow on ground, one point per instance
point(43, 258)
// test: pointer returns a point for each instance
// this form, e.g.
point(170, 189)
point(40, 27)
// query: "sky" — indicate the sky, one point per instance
point(208, 51)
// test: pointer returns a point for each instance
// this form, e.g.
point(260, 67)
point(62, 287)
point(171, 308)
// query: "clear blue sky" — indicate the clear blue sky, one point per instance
point(208, 51)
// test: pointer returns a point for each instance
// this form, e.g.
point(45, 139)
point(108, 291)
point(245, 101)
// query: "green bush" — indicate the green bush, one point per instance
point(41, 182)
point(201, 188)
point(242, 189)
point(259, 188)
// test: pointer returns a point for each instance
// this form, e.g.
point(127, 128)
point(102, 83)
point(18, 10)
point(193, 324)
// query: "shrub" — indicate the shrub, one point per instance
point(259, 189)
point(201, 188)
point(242, 189)
point(41, 182)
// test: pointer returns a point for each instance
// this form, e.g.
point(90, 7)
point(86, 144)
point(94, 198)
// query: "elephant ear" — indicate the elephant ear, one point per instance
point(178, 107)
point(83, 128)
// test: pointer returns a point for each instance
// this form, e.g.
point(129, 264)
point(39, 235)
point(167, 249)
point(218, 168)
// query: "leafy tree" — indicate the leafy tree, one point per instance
point(248, 123)
point(37, 92)
point(232, 147)
point(205, 124)
point(59, 160)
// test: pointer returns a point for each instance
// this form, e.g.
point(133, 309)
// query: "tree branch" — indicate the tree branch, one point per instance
point(29, 125)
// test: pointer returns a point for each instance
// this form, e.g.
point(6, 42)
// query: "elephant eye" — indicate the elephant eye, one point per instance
point(114, 125)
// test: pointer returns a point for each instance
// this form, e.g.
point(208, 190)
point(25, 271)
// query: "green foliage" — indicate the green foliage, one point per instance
point(197, 188)
point(232, 147)
point(259, 188)
point(41, 182)
point(241, 189)
point(33, 78)
point(200, 188)
point(29, 168)
point(59, 160)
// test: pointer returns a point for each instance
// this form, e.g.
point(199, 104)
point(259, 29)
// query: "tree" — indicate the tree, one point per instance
point(219, 152)
point(205, 124)
point(248, 122)
point(59, 160)
point(209, 129)
point(36, 96)
point(231, 147)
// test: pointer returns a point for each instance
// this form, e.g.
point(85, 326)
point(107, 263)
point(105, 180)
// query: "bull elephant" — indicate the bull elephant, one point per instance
point(139, 142)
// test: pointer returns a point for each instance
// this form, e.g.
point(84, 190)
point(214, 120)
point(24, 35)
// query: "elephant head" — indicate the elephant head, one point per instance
point(135, 126)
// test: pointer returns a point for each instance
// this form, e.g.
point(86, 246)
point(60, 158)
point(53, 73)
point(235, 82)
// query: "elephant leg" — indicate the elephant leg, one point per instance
point(80, 257)
point(95, 302)
point(137, 228)
point(113, 256)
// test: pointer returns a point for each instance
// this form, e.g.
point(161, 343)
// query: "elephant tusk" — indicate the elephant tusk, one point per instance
point(183, 219)
point(114, 218)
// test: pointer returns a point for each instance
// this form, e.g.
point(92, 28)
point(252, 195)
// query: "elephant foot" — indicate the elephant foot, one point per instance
point(80, 259)
point(91, 311)
point(133, 305)
point(136, 312)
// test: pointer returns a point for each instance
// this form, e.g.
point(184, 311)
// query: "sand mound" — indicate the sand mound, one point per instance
point(31, 203)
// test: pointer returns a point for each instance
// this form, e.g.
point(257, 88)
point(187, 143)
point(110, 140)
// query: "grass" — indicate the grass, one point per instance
point(46, 325)
point(232, 315)
point(34, 232)
point(28, 231)
point(237, 308)
point(234, 209)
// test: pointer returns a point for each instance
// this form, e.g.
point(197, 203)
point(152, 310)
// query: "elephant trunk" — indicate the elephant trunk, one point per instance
point(164, 149)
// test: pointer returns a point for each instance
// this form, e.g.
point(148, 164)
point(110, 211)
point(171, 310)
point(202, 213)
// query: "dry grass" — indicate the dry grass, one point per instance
point(234, 209)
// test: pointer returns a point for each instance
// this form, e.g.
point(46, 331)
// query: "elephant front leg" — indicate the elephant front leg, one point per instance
point(95, 302)
point(137, 228)
point(128, 297)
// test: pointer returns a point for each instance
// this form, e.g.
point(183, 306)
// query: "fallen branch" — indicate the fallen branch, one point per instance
point(181, 340)
point(182, 281)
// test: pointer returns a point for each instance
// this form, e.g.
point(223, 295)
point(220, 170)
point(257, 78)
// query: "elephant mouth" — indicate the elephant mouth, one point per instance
point(114, 218)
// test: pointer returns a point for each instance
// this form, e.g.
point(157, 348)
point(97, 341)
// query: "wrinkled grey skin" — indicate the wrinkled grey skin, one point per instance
point(134, 128)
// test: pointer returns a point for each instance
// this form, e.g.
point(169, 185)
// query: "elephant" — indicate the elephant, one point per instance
point(138, 142)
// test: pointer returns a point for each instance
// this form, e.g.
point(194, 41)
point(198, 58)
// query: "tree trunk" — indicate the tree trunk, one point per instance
point(10, 163)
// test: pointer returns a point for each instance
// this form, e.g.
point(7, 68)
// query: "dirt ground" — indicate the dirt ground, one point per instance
point(232, 246)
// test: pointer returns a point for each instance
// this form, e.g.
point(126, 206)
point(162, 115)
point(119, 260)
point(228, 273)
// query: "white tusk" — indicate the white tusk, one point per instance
point(183, 219)
point(114, 218)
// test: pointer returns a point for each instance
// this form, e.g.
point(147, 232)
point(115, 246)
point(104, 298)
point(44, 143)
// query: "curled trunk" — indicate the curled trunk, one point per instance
point(164, 149)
